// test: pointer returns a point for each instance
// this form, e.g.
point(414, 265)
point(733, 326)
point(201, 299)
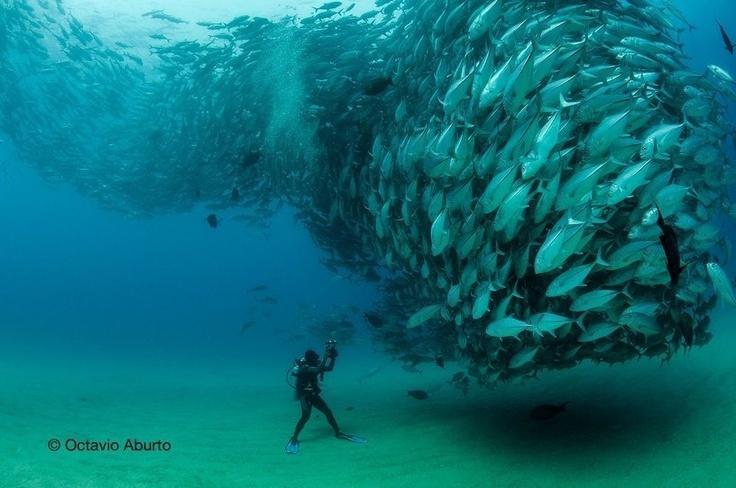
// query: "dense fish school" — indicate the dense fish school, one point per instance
point(505, 168)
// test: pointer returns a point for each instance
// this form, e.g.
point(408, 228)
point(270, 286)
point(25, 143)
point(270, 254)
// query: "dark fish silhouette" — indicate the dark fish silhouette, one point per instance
point(246, 325)
point(418, 394)
point(685, 325)
point(371, 275)
point(259, 288)
point(687, 334)
point(671, 249)
point(235, 195)
point(376, 86)
point(250, 159)
point(349, 408)
point(374, 319)
point(547, 411)
point(212, 220)
point(440, 361)
point(726, 39)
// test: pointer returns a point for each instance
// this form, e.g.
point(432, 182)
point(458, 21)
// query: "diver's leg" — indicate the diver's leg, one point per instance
point(306, 412)
point(320, 405)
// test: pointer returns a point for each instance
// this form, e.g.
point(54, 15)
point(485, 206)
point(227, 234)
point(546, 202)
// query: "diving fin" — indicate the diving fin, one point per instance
point(292, 447)
point(352, 438)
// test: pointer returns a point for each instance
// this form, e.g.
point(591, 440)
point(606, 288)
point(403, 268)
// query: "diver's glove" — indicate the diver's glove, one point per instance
point(332, 353)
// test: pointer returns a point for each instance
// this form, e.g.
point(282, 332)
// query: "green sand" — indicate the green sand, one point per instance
point(639, 424)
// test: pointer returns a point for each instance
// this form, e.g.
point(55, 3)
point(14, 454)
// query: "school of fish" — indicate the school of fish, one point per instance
point(505, 168)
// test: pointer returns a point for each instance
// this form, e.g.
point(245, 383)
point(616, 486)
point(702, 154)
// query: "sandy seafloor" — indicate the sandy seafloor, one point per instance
point(638, 424)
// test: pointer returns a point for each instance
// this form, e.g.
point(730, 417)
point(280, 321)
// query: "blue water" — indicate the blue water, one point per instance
point(77, 278)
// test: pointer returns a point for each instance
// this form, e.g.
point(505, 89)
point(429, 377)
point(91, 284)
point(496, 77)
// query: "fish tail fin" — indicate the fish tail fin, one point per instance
point(565, 104)
point(579, 321)
point(600, 261)
point(515, 293)
point(660, 215)
point(625, 292)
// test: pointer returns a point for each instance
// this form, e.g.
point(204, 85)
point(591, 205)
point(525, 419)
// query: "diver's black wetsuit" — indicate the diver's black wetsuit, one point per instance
point(308, 390)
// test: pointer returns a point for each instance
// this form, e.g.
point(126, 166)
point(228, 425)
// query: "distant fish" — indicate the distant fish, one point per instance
point(374, 319)
point(349, 408)
point(258, 288)
point(329, 6)
point(370, 373)
point(668, 238)
point(212, 221)
point(376, 86)
point(371, 275)
point(269, 300)
point(418, 394)
point(235, 195)
point(726, 40)
point(246, 325)
point(439, 361)
point(152, 12)
point(722, 285)
point(547, 411)
point(250, 158)
point(169, 18)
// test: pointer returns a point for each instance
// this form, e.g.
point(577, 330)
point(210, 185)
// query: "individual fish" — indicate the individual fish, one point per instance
point(246, 325)
point(668, 239)
point(418, 394)
point(593, 300)
point(250, 158)
point(212, 221)
point(726, 40)
point(235, 195)
point(370, 374)
point(169, 18)
point(328, 6)
point(376, 86)
point(439, 361)
point(258, 288)
point(597, 331)
point(374, 319)
point(523, 357)
point(507, 327)
point(547, 322)
point(547, 411)
point(568, 280)
point(721, 283)
point(423, 315)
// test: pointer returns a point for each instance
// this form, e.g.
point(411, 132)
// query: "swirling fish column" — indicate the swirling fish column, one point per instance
point(519, 181)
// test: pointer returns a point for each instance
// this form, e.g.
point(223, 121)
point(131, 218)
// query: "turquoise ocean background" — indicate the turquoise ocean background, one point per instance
point(113, 327)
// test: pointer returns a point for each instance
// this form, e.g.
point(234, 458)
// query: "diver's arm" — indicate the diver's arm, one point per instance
point(329, 363)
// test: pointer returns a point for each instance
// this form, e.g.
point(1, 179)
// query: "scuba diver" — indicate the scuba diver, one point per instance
point(309, 370)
